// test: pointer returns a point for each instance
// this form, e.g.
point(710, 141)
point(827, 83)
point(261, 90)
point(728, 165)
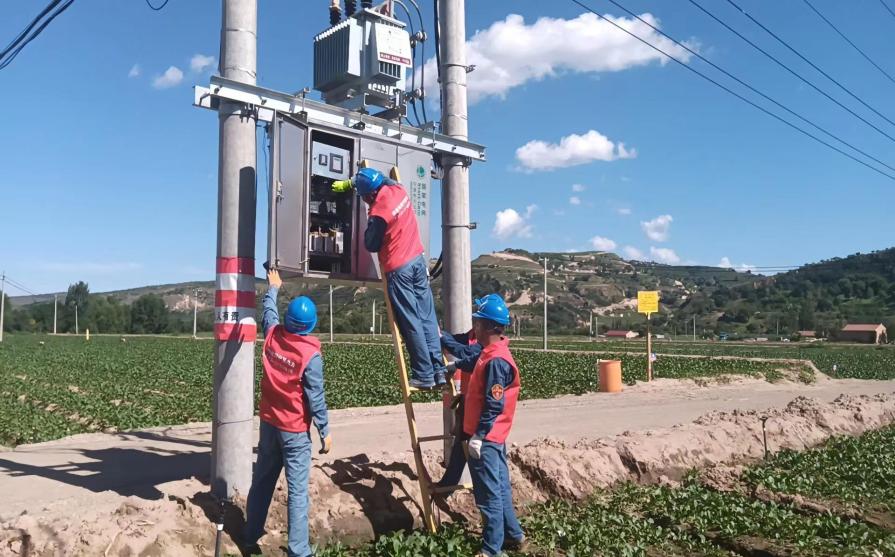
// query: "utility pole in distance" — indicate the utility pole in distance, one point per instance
point(455, 225)
point(195, 309)
point(545, 302)
point(235, 327)
point(330, 313)
point(55, 311)
point(77, 332)
point(694, 328)
point(2, 301)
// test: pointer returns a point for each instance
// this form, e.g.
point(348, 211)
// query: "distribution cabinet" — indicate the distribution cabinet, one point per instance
point(316, 233)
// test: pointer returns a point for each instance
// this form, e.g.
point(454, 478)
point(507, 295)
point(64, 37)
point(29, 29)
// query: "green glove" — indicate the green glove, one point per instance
point(341, 186)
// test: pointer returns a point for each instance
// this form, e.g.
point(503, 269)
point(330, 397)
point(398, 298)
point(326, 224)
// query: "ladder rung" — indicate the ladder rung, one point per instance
point(427, 438)
point(435, 389)
point(450, 489)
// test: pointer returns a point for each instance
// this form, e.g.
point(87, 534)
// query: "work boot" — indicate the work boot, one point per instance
point(422, 385)
point(440, 381)
point(520, 545)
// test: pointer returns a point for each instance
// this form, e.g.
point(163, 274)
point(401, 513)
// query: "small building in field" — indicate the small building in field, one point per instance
point(622, 334)
point(807, 334)
point(866, 333)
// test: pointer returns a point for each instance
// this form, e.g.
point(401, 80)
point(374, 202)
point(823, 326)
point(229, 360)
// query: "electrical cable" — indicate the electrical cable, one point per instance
point(886, 6)
point(34, 34)
point(413, 57)
point(31, 25)
point(809, 62)
point(419, 15)
point(751, 88)
point(846, 39)
point(438, 57)
point(790, 70)
point(734, 93)
point(160, 8)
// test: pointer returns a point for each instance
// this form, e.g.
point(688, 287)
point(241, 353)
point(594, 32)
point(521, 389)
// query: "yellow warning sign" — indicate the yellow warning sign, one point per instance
point(648, 301)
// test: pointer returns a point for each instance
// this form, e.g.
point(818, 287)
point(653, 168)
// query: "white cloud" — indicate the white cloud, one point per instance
point(574, 200)
point(511, 53)
point(135, 71)
point(631, 252)
point(172, 77)
point(571, 150)
point(602, 244)
point(664, 255)
point(578, 188)
point(624, 211)
point(742, 267)
point(658, 228)
point(199, 63)
point(510, 223)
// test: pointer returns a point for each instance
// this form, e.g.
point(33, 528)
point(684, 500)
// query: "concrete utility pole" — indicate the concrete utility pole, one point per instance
point(55, 311)
point(545, 303)
point(694, 328)
point(330, 313)
point(2, 301)
point(456, 253)
point(232, 431)
point(77, 332)
point(195, 309)
point(373, 326)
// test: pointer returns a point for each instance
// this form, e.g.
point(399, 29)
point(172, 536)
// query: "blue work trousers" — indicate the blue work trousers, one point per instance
point(411, 297)
point(453, 472)
point(278, 449)
point(494, 497)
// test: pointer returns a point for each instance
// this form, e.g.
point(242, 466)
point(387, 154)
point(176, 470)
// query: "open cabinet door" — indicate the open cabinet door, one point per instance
point(287, 241)
point(381, 156)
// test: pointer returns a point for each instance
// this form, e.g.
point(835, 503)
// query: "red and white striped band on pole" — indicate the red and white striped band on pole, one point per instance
point(234, 300)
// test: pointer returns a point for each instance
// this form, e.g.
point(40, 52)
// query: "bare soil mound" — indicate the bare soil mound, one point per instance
point(357, 498)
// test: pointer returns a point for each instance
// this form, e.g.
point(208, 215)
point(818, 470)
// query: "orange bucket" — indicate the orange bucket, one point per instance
point(610, 376)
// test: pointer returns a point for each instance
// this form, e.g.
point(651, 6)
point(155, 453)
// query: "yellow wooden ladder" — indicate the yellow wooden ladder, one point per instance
point(427, 491)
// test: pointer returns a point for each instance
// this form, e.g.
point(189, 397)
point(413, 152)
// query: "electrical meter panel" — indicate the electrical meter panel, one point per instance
point(316, 233)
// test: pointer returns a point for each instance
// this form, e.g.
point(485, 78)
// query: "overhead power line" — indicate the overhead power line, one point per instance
point(809, 62)
point(735, 94)
point(160, 8)
point(790, 70)
point(886, 6)
point(751, 88)
point(30, 33)
point(846, 39)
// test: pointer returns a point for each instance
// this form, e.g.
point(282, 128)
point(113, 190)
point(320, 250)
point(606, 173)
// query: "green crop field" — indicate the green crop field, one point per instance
point(68, 385)
point(694, 519)
point(851, 361)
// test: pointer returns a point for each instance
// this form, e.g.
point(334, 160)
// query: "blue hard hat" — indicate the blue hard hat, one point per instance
point(301, 316)
point(493, 308)
point(367, 181)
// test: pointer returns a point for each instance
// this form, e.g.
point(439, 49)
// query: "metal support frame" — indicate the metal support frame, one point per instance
point(268, 101)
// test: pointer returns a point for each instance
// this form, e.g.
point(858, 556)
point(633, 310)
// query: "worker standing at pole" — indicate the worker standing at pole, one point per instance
point(393, 233)
point(466, 349)
point(493, 390)
point(292, 396)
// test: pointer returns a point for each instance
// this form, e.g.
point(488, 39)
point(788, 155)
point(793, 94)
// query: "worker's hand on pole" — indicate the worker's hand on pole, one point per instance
point(327, 444)
point(273, 278)
point(341, 186)
point(475, 447)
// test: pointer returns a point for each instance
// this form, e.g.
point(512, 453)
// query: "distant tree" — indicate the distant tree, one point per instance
point(108, 315)
point(149, 315)
point(807, 321)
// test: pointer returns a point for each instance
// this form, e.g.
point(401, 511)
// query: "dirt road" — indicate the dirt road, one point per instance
point(96, 467)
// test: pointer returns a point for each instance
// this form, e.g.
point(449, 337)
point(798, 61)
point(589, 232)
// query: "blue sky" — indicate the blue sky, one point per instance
point(109, 174)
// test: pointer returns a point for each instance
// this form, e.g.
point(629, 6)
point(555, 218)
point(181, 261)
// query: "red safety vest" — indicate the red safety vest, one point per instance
point(285, 358)
point(475, 396)
point(402, 234)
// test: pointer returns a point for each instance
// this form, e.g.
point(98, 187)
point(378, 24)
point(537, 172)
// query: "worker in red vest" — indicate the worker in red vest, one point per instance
point(393, 233)
point(466, 350)
point(490, 401)
point(292, 397)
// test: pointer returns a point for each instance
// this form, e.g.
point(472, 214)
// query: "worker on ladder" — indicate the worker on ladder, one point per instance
point(490, 406)
point(393, 233)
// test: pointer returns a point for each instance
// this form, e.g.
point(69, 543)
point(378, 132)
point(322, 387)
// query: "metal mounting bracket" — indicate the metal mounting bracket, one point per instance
point(269, 102)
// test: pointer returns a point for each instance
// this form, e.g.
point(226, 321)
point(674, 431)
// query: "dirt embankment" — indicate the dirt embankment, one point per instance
point(359, 497)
